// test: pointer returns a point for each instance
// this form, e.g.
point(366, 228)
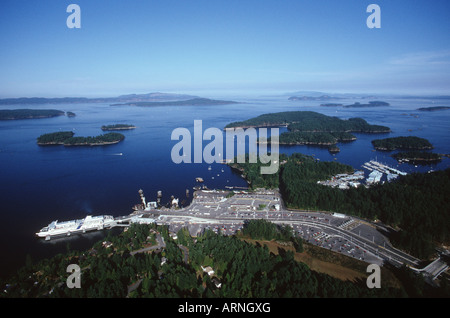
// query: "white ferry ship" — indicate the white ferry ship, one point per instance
point(89, 223)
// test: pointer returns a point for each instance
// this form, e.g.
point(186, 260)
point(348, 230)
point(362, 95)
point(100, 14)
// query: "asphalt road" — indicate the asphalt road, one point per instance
point(353, 236)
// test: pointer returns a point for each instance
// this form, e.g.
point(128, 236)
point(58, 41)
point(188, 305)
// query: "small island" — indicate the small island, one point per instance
point(118, 127)
point(70, 114)
point(433, 109)
point(410, 143)
point(417, 157)
point(67, 138)
point(370, 104)
point(310, 128)
point(16, 114)
point(189, 102)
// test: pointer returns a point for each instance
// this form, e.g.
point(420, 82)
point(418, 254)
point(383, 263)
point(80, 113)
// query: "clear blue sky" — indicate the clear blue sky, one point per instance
point(223, 46)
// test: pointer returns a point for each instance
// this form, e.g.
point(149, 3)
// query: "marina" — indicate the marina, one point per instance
point(43, 176)
point(376, 171)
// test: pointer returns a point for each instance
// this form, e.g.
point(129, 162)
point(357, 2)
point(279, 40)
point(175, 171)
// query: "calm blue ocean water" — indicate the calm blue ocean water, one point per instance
point(42, 184)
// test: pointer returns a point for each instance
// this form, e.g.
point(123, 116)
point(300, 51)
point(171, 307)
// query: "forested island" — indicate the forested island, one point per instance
point(334, 149)
point(414, 204)
point(309, 98)
point(409, 142)
point(434, 108)
point(157, 96)
point(118, 127)
point(370, 104)
point(189, 102)
point(331, 105)
point(244, 267)
point(15, 114)
point(67, 138)
point(311, 128)
point(420, 157)
point(314, 138)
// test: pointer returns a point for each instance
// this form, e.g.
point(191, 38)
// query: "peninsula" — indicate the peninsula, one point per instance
point(410, 143)
point(67, 138)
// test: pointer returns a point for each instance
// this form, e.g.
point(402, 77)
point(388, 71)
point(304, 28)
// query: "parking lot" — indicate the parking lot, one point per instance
point(225, 212)
point(335, 242)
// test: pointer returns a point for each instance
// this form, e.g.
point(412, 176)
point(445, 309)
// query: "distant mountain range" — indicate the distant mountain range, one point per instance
point(314, 95)
point(321, 97)
point(189, 102)
point(131, 98)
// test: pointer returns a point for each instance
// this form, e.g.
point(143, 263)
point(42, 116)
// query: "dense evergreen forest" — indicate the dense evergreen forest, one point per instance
point(12, 114)
point(97, 140)
point(56, 138)
point(416, 204)
point(67, 138)
point(241, 270)
point(410, 142)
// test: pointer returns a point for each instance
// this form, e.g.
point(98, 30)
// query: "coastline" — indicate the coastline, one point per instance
point(121, 128)
point(79, 144)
